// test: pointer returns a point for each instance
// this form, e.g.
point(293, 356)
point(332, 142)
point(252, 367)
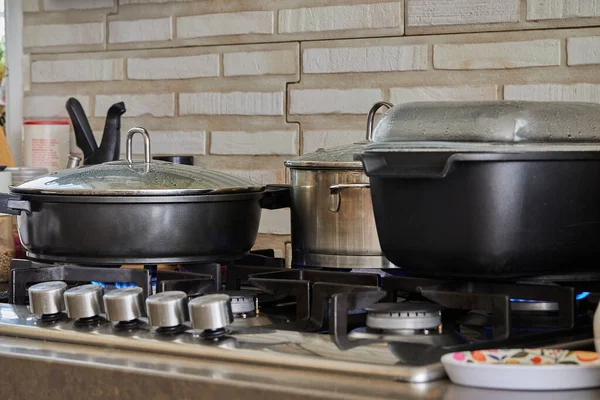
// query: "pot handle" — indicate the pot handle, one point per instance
point(335, 193)
point(129, 144)
point(14, 204)
point(276, 197)
point(371, 117)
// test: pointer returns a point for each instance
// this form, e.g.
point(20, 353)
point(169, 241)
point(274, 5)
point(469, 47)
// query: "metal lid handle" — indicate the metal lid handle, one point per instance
point(371, 117)
point(129, 144)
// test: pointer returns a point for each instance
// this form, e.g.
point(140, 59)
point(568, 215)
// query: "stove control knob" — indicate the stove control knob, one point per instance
point(46, 298)
point(211, 312)
point(123, 305)
point(167, 309)
point(84, 301)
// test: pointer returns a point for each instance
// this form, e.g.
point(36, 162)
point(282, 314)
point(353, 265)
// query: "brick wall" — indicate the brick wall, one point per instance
point(245, 85)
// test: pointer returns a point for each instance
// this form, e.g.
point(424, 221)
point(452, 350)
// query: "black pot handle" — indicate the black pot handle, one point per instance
point(13, 204)
point(276, 197)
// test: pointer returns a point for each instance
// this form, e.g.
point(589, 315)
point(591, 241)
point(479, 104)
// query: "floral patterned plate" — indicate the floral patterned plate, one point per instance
point(524, 369)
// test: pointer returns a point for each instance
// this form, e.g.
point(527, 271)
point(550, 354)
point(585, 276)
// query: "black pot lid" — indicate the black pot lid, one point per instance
point(131, 178)
point(487, 126)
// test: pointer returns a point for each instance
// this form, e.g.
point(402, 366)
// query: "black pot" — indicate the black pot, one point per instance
point(487, 214)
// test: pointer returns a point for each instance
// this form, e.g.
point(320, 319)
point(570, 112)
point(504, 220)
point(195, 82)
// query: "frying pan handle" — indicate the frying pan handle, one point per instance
point(276, 197)
point(14, 204)
point(371, 117)
point(129, 144)
point(335, 195)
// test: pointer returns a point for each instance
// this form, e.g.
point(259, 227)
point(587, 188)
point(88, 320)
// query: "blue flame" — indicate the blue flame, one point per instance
point(579, 296)
point(118, 285)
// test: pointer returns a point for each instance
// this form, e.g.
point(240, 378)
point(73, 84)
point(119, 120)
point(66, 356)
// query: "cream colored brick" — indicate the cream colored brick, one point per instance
point(51, 106)
point(141, 30)
point(63, 34)
point(77, 70)
point(233, 103)
point(503, 55)
point(148, 1)
point(364, 59)
point(240, 23)
point(276, 222)
point(157, 105)
point(335, 18)
point(171, 142)
point(54, 5)
point(254, 143)
point(553, 92)
point(461, 12)
point(31, 5)
point(260, 63)
point(558, 9)
point(583, 50)
point(333, 101)
point(443, 93)
point(326, 139)
point(200, 66)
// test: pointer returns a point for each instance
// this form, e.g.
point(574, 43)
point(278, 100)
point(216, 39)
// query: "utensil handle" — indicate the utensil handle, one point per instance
point(335, 195)
point(276, 197)
point(13, 204)
point(129, 144)
point(84, 136)
point(371, 117)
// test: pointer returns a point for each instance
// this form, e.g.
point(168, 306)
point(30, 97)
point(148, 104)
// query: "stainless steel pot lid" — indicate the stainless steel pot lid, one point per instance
point(486, 126)
point(129, 178)
point(335, 158)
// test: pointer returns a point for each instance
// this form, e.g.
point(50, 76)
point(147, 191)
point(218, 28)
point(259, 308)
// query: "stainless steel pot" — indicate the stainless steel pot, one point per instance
point(332, 215)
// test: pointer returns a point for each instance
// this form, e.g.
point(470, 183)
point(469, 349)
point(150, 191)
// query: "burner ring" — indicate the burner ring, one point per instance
point(533, 306)
point(404, 316)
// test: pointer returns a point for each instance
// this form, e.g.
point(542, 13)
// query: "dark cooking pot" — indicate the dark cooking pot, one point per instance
point(496, 189)
point(139, 212)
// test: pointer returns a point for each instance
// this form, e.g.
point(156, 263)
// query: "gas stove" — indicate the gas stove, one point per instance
point(256, 311)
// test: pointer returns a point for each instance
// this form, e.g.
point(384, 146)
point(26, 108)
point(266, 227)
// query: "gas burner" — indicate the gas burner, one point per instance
point(243, 304)
point(533, 305)
point(408, 317)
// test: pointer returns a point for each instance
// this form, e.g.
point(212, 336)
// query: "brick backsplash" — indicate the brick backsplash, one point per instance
point(245, 85)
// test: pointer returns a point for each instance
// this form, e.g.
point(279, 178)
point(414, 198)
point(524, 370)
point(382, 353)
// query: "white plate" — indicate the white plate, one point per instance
point(524, 369)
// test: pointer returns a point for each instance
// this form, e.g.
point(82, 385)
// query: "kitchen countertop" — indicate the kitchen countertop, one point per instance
point(40, 369)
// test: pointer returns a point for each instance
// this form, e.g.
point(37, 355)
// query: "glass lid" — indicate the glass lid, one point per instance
point(338, 157)
point(129, 178)
point(462, 124)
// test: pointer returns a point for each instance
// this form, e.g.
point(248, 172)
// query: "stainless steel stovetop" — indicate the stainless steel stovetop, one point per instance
point(365, 325)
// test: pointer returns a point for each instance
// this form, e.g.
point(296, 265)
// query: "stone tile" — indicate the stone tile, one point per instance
point(50, 106)
point(502, 55)
point(334, 18)
point(333, 101)
point(278, 62)
point(461, 12)
point(186, 67)
point(443, 93)
point(276, 222)
point(142, 30)
point(558, 9)
point(171, 143)
point(77, 70)
point(56, 5)
point(364, 59)
point(275, 242)
point(326, 139)
point(63, 34)
point(30, 5)
point(232, 103)
point(553, 92)
point(149, 1)
point(240, 23)
point(583, 50)
point(157, 105)
point(254, 143)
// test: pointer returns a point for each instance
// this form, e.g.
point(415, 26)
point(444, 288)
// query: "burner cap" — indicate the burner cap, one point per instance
point(397, 316)
point(534, 305)
point(242, 303)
